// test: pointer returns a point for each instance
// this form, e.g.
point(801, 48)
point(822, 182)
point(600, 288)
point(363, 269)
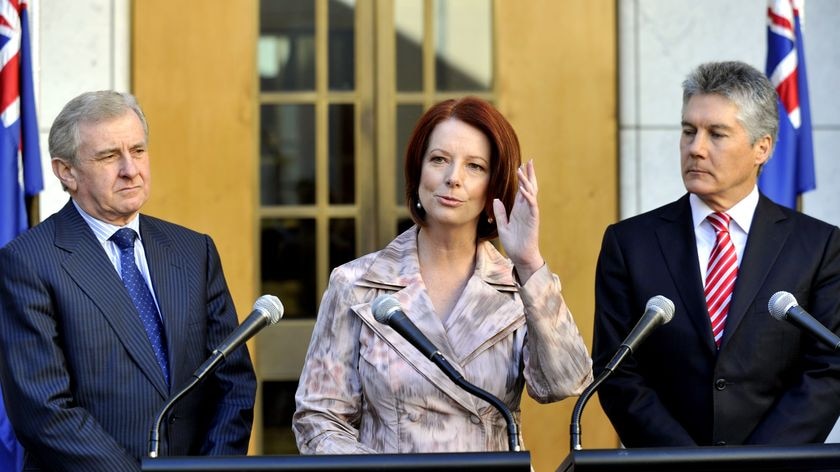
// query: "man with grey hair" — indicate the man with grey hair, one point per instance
point(105, 312)
point(723, 371)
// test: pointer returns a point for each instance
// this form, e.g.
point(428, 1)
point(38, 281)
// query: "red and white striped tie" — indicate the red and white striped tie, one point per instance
point(720, 275)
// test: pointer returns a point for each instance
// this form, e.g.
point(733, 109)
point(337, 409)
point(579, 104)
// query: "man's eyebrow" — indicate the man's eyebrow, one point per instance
point(107, 151)
point(720, 127)
point(714, 126)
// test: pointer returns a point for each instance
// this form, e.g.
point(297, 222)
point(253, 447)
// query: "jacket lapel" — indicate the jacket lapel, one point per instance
point(679, 250)
point(412, 356)
point(170, 283)
point(472, 328)
point(768, 232)
point(88, 265)
point(487, 310)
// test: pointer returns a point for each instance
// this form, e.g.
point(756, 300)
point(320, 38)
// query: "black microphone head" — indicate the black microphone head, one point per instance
point(780, 303)
point(270, 307)
point(662, 305)
point(383, 307)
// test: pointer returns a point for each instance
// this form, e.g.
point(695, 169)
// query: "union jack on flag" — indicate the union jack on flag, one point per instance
point(20, 155)
point(790, 172)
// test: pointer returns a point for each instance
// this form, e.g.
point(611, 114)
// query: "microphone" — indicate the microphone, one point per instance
point(783, 306)
point(387, 310)
point(267, 310)
point(658, 311)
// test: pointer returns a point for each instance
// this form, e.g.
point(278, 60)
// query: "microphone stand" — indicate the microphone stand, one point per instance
point(200, 374)
point(512, 428)
point(574, 428)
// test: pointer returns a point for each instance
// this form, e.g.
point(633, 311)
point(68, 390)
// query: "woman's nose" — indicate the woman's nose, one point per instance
point(454, 177)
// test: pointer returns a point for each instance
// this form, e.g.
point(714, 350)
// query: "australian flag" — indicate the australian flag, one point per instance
point(790, 172)
point(20, 157)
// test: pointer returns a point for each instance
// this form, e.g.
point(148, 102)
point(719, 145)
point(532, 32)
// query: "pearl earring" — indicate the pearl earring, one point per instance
point(419, 206)
point(490, 220)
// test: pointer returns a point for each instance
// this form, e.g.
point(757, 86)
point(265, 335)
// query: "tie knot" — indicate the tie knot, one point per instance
point(124, 238)
point(719, 221)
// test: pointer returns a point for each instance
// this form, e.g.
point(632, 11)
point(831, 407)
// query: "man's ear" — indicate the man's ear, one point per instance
point(763, 147)
point(65, 174)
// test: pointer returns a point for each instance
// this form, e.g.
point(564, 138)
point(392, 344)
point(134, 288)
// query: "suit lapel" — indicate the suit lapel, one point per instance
point(768, 232)
point(170, 284)
point(679, 249)
point(89, 267)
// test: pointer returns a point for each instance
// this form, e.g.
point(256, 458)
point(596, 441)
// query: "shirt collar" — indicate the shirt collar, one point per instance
point(102, 230)
point(741, 213)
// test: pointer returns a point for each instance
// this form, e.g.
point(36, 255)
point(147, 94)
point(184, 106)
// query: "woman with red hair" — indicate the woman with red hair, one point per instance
point(501, 322)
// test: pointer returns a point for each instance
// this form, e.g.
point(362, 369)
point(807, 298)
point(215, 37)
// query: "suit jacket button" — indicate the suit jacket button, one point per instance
point(720, 384)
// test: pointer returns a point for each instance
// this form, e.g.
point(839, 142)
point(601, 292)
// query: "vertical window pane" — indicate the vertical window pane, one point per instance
point(278, 408)
point(286, 47)
point(408, 23)
point(342, 153)
point(287, 154)
point(463, 45)
point(342, 241)
point(407, 116)
point(287, 262)
point(342, 44)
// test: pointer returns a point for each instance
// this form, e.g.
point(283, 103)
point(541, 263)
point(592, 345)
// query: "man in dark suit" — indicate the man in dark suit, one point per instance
point(723, 371)
point(95, 335)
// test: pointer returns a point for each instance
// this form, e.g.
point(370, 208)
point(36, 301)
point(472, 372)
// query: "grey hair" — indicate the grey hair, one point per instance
point(743, 85)
point(89, 107)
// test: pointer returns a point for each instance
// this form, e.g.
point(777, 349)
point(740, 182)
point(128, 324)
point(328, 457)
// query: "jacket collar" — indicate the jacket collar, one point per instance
point(397, 265)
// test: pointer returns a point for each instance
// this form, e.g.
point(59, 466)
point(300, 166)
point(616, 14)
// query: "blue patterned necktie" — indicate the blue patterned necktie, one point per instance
point(141, 296)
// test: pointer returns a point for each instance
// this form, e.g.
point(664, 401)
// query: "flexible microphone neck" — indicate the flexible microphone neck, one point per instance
point(658, 311)
point(387, 310)
point(577, 412)
point(154, 434)
point(455, 376)
point(267, 310)
point(209, 366)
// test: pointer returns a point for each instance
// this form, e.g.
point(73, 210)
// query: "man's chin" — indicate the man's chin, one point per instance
point(129, 208)
point(697, 186)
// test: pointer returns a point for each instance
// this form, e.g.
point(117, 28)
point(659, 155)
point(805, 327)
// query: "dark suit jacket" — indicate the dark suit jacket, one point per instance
point(769, 383)
point(80, 380)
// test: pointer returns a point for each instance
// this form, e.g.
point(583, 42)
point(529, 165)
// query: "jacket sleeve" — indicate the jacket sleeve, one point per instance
point(48, 421)
point(633, 407)
point(329, 395)
point(230, 429)
point(808, 409)
point(557, 363)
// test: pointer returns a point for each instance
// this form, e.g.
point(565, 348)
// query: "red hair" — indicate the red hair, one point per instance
point(505, 156)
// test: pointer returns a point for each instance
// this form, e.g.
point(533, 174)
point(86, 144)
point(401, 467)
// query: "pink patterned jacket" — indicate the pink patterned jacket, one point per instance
point(364, 389)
